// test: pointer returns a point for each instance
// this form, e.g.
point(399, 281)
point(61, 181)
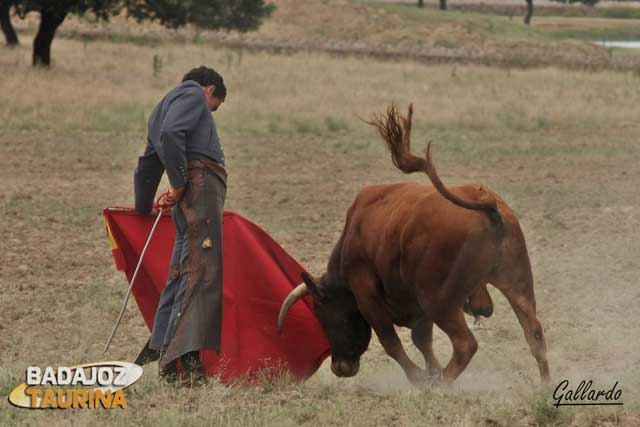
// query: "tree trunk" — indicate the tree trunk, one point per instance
point(420, 3)
point(49, 23)
point(5, 22)
point(443, 4)
point(527, 18)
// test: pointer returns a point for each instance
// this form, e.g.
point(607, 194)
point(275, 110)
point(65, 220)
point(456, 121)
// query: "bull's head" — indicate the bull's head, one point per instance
point(335, 306)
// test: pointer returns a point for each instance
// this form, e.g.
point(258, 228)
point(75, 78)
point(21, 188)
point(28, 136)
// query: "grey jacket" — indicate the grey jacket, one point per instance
point(181, 128)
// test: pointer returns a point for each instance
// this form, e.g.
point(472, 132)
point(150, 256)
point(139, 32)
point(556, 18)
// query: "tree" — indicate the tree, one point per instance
point(443, 4)
point(585, 2)
point(527, 17)
point(53, 13)
point(5, 22)
point(242, 15)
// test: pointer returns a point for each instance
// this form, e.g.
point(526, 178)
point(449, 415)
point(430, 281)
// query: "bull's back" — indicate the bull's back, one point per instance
point(381, 211)
point(394, 225)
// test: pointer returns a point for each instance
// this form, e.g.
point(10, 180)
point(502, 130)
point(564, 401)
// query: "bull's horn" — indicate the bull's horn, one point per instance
point(296, 295)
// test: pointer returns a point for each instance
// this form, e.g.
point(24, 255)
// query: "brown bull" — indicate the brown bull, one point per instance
point(413, 255)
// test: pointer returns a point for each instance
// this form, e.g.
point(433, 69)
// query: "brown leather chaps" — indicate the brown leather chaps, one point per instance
point(198, 325)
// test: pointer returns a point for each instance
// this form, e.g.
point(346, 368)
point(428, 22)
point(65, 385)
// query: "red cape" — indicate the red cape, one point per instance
point(258, 275)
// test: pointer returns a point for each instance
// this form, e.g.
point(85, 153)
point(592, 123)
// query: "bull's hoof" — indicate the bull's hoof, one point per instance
point(436, 379)
point(435, 372)
point(427, 379)
point(419, 378)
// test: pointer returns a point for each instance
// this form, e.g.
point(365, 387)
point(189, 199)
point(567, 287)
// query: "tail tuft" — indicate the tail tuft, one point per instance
point(395, 131)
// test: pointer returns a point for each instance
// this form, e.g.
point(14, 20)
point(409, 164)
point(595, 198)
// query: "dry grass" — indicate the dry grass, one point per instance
point(102, 95)
point(560, 146)
point(396, 31)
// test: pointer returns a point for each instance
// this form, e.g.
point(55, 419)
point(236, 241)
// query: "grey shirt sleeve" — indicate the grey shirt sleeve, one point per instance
point(146, 179)
point(183, 115)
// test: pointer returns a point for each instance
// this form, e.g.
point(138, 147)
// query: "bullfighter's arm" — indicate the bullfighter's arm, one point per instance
point(183, 116)
point(146, 179)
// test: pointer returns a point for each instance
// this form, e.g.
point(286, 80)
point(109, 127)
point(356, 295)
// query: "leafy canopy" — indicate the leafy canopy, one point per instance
point(101, 8)
point(242, 15)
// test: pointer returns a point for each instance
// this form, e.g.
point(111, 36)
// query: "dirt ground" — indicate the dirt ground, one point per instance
point(560, 146)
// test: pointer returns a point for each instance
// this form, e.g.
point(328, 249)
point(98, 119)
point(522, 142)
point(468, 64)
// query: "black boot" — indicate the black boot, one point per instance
point(193, 371)
point(170, 371)
point(147, 355)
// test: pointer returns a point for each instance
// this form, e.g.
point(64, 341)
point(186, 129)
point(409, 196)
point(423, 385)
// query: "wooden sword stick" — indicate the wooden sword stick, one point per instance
point(133, 279)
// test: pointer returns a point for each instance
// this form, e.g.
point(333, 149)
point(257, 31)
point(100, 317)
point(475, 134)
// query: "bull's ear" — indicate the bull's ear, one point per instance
point(311, 284)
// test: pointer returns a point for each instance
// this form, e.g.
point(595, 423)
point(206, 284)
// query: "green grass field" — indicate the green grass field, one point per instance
point(550, 23)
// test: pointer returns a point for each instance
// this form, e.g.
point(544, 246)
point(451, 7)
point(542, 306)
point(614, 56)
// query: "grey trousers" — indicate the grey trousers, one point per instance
point(189, 313)
point(170, 304)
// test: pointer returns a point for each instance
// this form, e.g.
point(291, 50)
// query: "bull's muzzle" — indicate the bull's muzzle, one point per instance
point(345, 368)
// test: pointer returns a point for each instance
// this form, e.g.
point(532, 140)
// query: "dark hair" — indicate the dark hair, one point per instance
point(206, 77)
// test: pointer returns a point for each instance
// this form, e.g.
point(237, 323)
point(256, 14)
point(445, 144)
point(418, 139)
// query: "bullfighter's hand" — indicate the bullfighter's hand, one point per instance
point(172, 197)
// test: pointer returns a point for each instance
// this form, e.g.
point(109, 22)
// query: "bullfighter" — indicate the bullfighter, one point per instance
point(183, 141)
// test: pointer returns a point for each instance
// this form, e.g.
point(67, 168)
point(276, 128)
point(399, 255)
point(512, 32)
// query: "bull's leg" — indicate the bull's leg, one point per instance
point(376, 313)
point(422, 336)
point(524, 306)
point(515, 281)
point(383, 326)
point(445, 284)
point(463, 342)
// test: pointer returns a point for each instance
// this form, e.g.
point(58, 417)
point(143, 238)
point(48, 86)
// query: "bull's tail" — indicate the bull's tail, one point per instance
point(395, 130)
